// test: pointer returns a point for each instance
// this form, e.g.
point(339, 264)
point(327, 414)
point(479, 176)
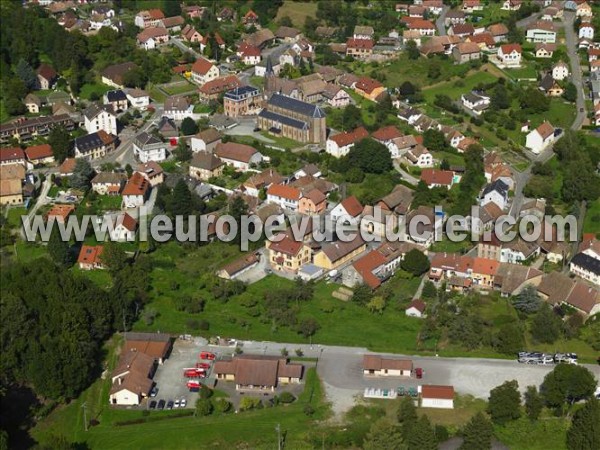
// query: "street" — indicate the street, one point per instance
point(439, 23)
point(576, 77)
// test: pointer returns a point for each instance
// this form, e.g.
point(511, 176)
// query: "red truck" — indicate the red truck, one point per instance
point(202, 365)
point(194, 373)
point(207, 355)
point(193, 385)
point(419, 372)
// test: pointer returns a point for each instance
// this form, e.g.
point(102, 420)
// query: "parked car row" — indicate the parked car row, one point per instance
point(546, 358)
point(162, 404)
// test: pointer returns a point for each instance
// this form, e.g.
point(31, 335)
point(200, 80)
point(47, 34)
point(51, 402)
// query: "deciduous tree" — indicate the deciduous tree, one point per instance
point(505, 403)
point(567, 384)
point(533, 403)
point(584, 433)
point(478, 433)
point(415, 262)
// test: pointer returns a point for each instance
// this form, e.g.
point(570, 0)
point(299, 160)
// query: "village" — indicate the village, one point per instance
point(389, 114)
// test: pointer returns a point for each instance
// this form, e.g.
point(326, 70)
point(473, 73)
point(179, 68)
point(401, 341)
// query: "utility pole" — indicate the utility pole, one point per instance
point(85, 422)
point(278, 429)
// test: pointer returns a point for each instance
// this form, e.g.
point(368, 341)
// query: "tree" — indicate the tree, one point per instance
point(412, 50)
point(422, 435)
point(445, 165)
point(57, 248)
point(546, 325)
point(500, 98)
point(285, 21)
point(435, 140)
point(362, 294)
point(407, 415)
point(181, 204)
point(370, 156)
point(376, 305)
point(188, 127)
point(415, 262)
point(429, 291)
point(505, 403)
point(528, 300)
point(351, 117)
point(570, 93)
point(478, 433)
point(82, 175)
point(182, 152)
point(584, 433)
point(60, 141)
point(171, 8)
point(383, 435)
point(113, 257)
point(128, 170)
point(509, 339)
point(308, 327)
point(533, 403)
point(204, 407)
point(567, 383)
point(26, 74)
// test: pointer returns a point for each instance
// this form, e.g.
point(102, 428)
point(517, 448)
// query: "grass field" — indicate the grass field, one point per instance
point(592, 218)
point(14, 216)
point(157, 95)
point(98, 88)
point(454, 89)
point(297, 12)
point(182, 87)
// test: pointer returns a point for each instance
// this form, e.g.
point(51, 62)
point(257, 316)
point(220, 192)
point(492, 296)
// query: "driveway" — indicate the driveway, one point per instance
point(259, 271)
point(408, 177)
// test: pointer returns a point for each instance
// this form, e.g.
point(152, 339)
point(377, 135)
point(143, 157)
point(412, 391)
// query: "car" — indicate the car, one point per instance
point(154, 391)
point(152, 404)
point(161, 404)
point(581, 109)
point(176, 404)
point(183, 403)
point(170, 404)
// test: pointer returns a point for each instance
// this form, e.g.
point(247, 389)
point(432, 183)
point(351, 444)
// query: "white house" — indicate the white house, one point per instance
point(586, 31)
point(203, 71)
point(419, 156)
point(178, 108)
point(348, 209)
point(540, 138)
point(496, 192)
point(100, 118)
point(560, 71)
point(151, 38)
point(136, 191)
point(542, 31)
point(587, 267)
point(206, 140)
point(138, 98)
point(147, 147)
point(437, 397)
point(510, 55)
point(340, 144)
point(416, 308)
point(240, 156)
point(584, 10)
point(287, 197)
point(125, 228)
point(475, 102)
point(511, 5)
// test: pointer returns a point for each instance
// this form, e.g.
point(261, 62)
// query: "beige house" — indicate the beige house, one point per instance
point(333, 255)
point(205, 165)
point(258, 372)
point(376, 365)
point(288, 254)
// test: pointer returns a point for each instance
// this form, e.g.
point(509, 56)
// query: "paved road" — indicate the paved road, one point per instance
point(184, 48)
point(340, 368)
point(41, 201)
point(576, 77)
point(439, 23)
point(408, 177)
point(528, 20)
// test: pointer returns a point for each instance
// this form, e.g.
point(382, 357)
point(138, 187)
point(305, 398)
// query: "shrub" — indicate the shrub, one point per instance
point(206, 393)
point(248, 403)
point(204, 406)
point(308, 410)
point(221, 405)
point(286, 397)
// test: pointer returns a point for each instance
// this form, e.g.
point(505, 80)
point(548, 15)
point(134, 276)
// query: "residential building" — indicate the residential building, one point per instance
point(94, 145)
point(125, 228)
point(510, 55)
point(336, 96)
point(586, 266)
point(454, 17)
point(203, 71)
point(359, 48)
point(542, 31)
point(398, 201)
point(584, 10)
point(172, 23)
point(544, 50)
point(263, 180)
point(108, 183)
point(586, 31)
point(90, 257)
point(189, 34)
point(138, 98)
point(149, 18)
point(288, 35)
point(205, 165)
point(334, 254)
point(550, 86)
point(499, 32)
point(113, 75)
point(347, 210)
point(238, 267)
point(24, 129)
point(136, 191)
point(33, 103)
point(462, 29)
point(286, 254)
point(294, 119)
point(379, 366)
point(206, 140)
point(258, 373)
point(116, 99)
point(249, 54)
point(287, 197)
point(242, 157)
point(340, 144)
point(147, 147)
point(511, 5)
point(475, 102)
point(167, 128)
point(369, 88)
point(424, 27)
point(419, 156)
point(313, 202)
point(438, 178)
point(178, 108)
point(416, 308)
point(241, 101)
point(46, 77)
point(519, 251)
point(40, 154)
point(152, 172)
point(100, 117)
point(151, 38)
point(212, 90)
point(560, 71)
point(466, 51)
point(437, 396)
point(496, 192)
point(470, 6)
point(540, 138)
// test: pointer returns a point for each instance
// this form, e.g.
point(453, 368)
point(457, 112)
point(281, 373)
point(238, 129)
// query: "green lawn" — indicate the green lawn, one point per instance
point(201, 108)
point(548, 432)
point(98, 88)
point(454, 89)
point(492, 13)
point(157, 95)
point(297, 12)
point(592, 218)
point(282, 142)
point(100, 277)
point(180, 88)
point(448, 246)
point(528, 70)
point(14, 216)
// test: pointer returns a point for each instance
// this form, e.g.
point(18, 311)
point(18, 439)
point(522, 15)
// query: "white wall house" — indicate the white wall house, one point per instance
point(147, 147)
point(560, 71)
point(510, 55)
point(586, 31)
point(437, 397)
point(287, 197)
point(475, 102)
point(125, 228)
point(138, 99)
point(98, 118)
point(340, 144)
point(203, 71)
point(540, 138)
point(537, 34)
point(496, 192)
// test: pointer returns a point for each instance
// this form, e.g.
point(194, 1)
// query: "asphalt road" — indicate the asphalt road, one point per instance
point(184, 48)
point(576, 77)
point(439, 23)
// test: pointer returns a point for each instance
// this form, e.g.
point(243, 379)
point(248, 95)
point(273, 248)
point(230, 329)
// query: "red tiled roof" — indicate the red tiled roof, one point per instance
point(545, 130)
point(368, 85)
point(39, 152)
point(11, 154)
point(284, 191)
point(128, 222)
point(46, 72)
point(509, 48)
point(442, 392)
point(202, 66)
point(367, 264)
point(90, 254)
point(156, 14)
point(235, 151)
point(583, 297)
point(351, 137)
point(220, 84)
point(352, 206)
point(137, 185)
point(287, 246)
point(421, 24)
point(435, 176)
point(419, 305)
point(485, 266)
point(360, 43)
point(387, 133)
